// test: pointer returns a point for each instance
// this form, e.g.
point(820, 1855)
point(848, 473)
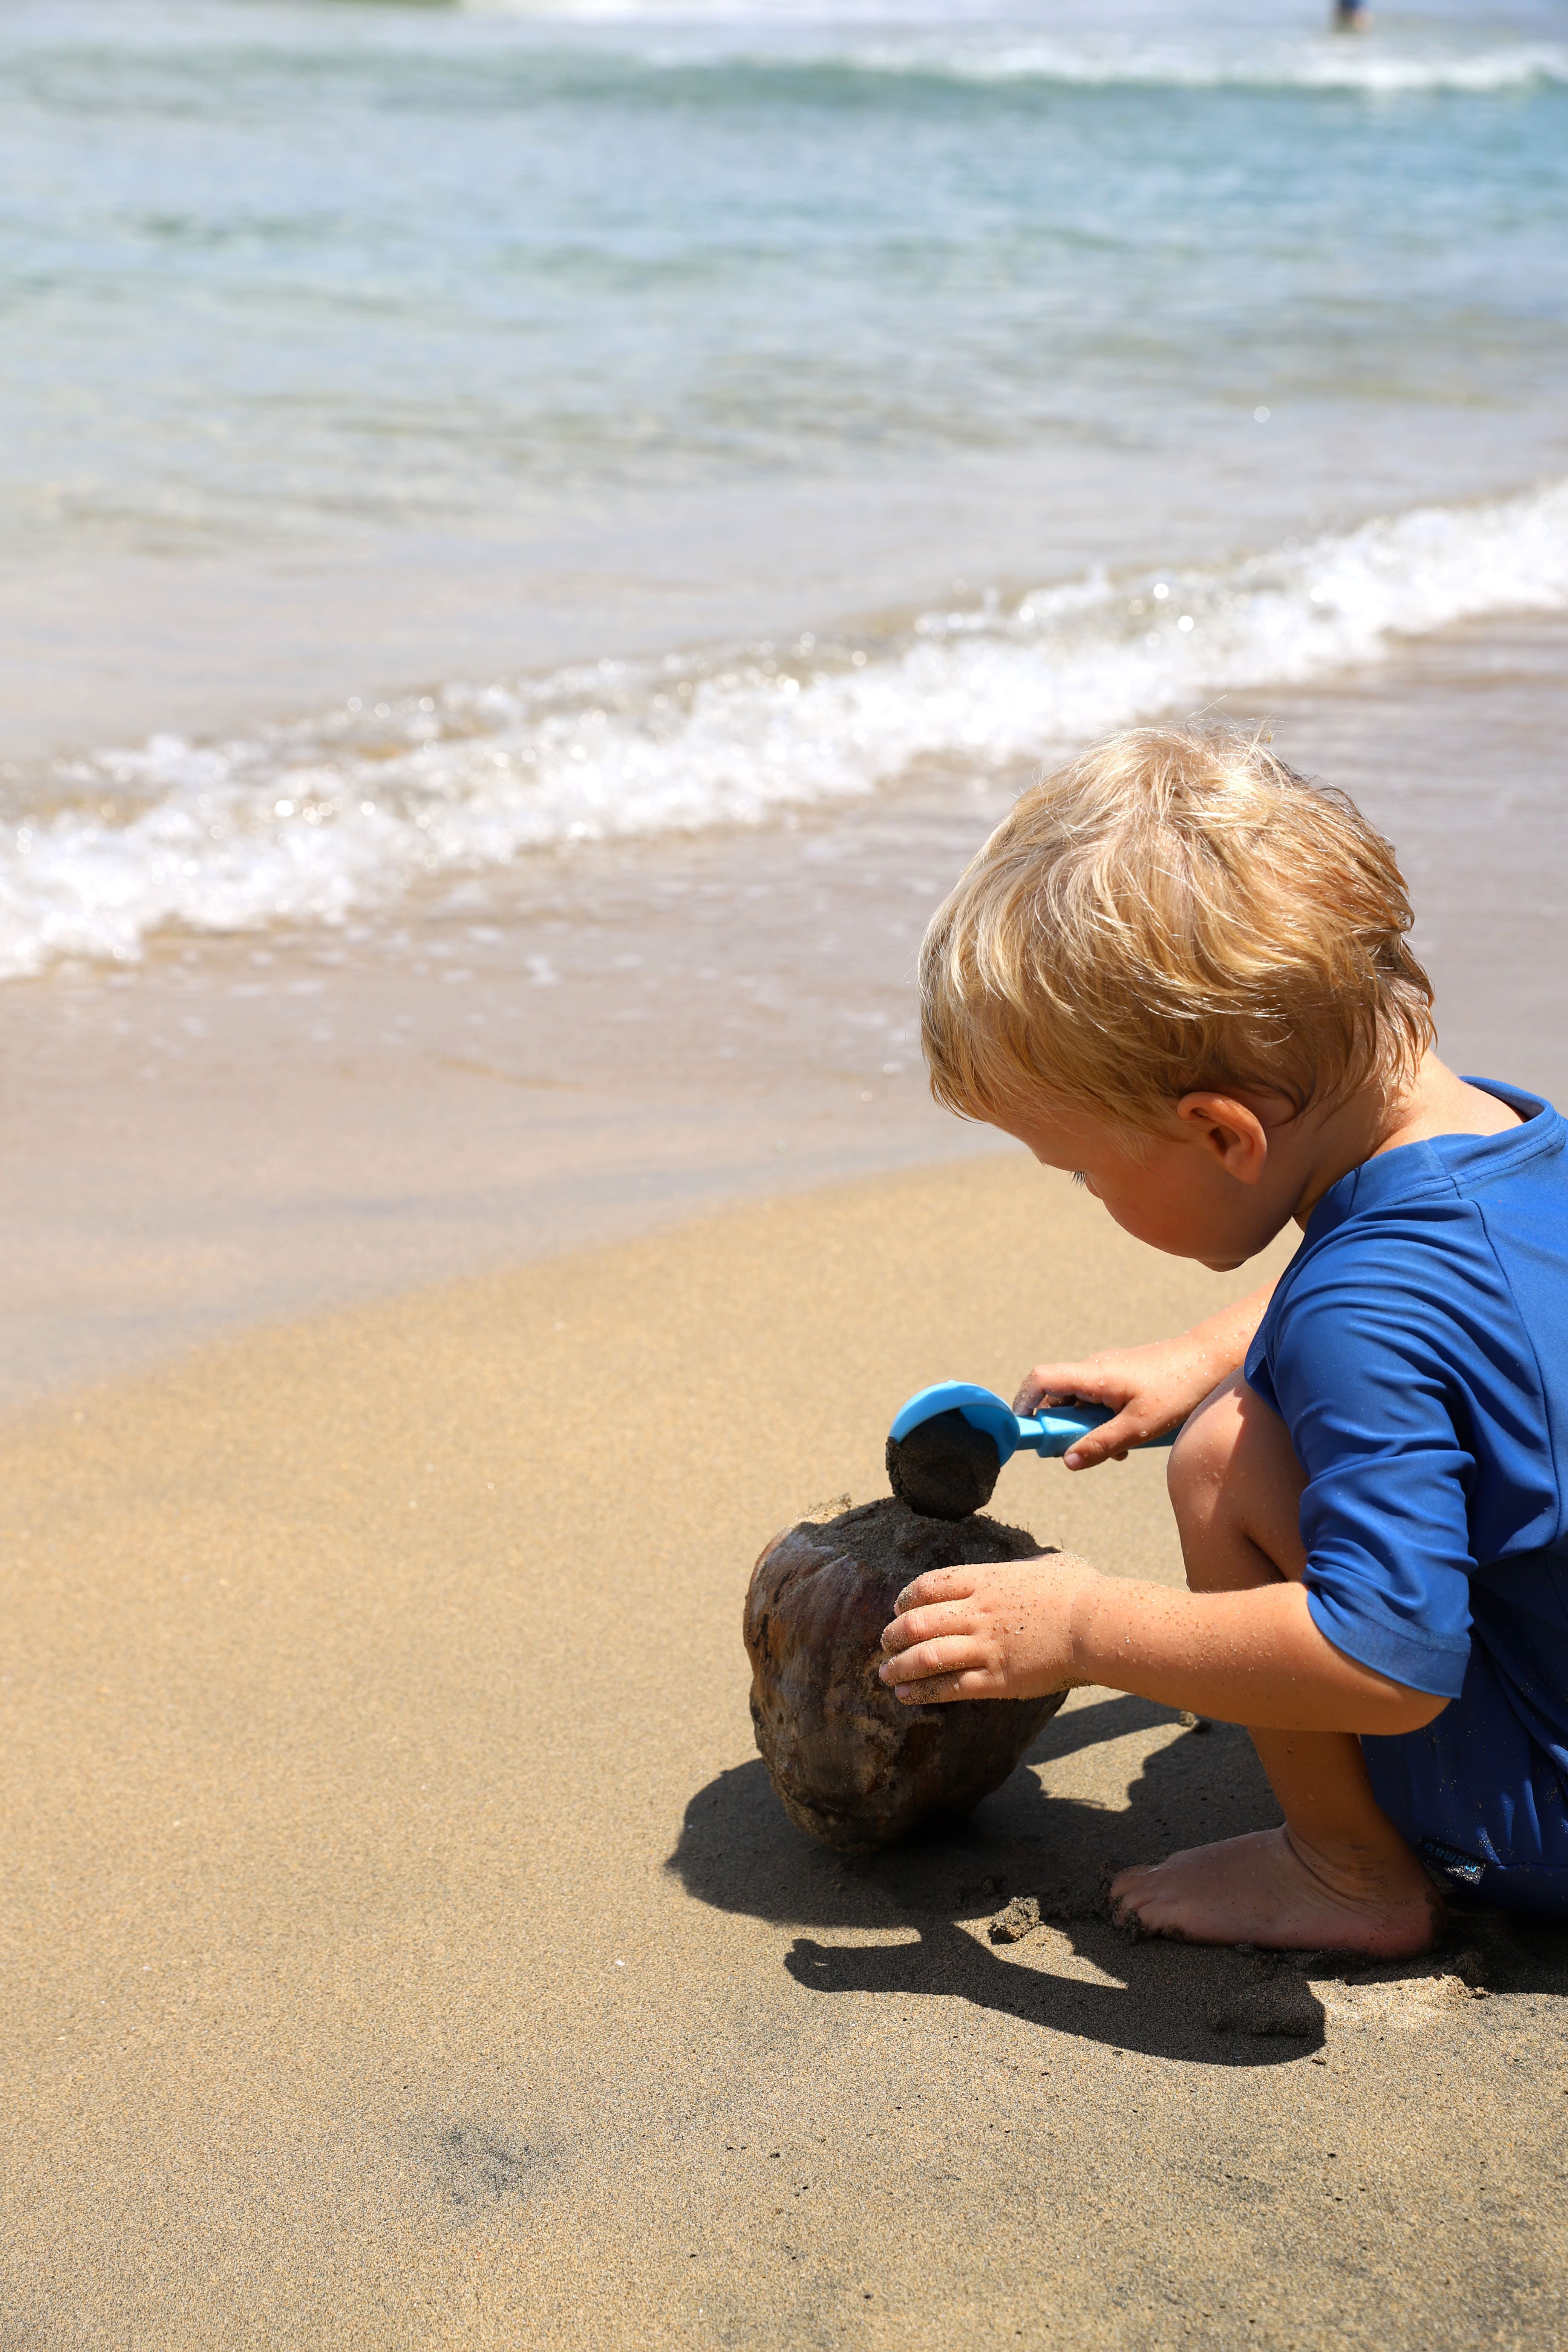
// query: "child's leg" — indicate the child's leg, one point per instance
point(1338, 1875)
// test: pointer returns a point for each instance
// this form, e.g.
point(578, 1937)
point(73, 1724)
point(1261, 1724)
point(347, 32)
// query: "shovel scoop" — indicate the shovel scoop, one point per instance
point(947, 1444)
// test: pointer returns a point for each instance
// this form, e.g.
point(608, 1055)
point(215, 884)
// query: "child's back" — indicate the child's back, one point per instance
point(1417, 1349)
point(1182, 973)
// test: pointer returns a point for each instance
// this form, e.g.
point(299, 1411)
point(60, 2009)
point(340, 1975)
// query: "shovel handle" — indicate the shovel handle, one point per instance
point(1057, 1429)
point(1047, 1434)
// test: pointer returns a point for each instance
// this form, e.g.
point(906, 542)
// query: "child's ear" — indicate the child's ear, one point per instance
point(1227, 1130)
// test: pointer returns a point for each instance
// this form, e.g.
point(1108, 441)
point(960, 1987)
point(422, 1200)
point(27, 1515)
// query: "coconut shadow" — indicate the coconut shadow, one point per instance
point(738, 1852)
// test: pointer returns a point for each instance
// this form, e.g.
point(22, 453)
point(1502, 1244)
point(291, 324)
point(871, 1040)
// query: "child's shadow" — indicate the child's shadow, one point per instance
point(737, 1850)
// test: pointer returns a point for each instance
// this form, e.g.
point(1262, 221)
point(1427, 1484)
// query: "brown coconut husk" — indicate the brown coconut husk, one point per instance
point(851, 1764)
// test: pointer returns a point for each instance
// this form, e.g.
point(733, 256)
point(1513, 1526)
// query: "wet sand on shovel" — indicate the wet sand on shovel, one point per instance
point(404, 1946)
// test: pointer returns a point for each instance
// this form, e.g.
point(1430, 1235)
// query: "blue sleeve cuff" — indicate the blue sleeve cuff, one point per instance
point(1418, 1662)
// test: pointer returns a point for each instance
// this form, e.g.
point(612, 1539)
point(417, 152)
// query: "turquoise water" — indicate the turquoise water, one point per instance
point(292, 278)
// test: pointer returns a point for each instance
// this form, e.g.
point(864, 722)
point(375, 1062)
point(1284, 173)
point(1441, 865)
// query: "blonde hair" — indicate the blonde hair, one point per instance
point(1175, 910)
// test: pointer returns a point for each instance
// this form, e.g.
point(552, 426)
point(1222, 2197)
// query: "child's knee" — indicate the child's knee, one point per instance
point(1202, 1455)
point(1236, 1489)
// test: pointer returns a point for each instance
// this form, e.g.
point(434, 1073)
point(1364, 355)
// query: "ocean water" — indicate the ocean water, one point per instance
point(1241, 346)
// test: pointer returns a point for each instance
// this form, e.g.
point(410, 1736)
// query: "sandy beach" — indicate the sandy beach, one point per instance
point(536, 539)
point(404, 1946)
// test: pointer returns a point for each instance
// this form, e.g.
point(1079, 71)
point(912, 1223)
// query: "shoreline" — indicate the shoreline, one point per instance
point(108, 646)
point(541, 538)
point(577, 1047)
point(404, 1944)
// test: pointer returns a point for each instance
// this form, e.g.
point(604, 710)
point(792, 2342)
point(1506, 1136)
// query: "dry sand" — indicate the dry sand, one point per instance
point(403, 1945)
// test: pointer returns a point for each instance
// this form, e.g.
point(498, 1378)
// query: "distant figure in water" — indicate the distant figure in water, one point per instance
point(1352, 16)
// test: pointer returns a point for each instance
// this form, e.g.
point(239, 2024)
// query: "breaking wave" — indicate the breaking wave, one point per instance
point(861, 41)
point(1306, 66)
point(345, 809)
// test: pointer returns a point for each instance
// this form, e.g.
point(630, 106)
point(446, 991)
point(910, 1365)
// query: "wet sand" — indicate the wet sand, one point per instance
point(404, 1947)
point(584, 1046)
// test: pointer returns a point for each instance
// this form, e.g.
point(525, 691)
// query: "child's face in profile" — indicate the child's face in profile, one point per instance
point(1217, 1186)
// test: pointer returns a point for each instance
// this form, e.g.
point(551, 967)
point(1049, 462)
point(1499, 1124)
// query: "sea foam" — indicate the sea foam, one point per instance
point(345, 809)
point(1319, 65)
point(967, 46)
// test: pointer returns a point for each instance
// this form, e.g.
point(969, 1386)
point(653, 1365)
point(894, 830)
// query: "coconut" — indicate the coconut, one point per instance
point(852, 1764)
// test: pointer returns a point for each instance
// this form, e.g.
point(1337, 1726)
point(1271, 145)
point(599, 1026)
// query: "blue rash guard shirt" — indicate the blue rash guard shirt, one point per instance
point(1417, 1349)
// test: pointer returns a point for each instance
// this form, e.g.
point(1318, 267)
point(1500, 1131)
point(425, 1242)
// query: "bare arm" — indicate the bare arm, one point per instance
point(1153, 1388)
point(1247, 1657)
point(1026, 1627)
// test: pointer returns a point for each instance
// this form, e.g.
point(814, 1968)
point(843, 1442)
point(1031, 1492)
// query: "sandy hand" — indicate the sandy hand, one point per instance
point(1150, 1389)
point(1001, 1631)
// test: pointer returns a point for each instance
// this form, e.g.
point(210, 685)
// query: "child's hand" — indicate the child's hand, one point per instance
point(1003, 1632)
point(1152, 1389)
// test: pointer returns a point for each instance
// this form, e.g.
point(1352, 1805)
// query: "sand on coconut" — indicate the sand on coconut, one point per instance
point(944, 1468)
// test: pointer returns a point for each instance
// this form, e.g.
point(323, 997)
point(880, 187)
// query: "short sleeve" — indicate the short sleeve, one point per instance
point(1362, 1381)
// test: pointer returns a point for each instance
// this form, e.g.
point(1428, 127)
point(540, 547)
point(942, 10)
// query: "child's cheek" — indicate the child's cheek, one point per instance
point(1136, 1213)
point(1158, 1223)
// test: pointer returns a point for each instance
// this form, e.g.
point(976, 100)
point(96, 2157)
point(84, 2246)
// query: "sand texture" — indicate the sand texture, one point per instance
point(944, 1468)
point(404, 1947)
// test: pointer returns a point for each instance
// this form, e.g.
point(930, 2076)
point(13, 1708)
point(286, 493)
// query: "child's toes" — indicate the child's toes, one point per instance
point(1123, 1898)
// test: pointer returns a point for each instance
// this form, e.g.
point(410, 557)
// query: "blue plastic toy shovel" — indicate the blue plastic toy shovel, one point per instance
point(947, 1444)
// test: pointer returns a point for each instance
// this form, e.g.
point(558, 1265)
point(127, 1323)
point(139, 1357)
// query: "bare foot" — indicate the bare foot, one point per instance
point(1262, 1889)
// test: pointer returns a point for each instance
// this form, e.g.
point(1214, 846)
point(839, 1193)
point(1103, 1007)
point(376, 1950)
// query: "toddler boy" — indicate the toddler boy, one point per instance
point(1180, 973)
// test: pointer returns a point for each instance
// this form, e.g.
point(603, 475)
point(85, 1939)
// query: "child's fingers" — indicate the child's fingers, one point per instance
point(928, 1624)
point(1115, 1439)
point(1110, 1442)
point(977, 1684)
point(936, 1584)
point(947, 1653)
point(1059, 1381)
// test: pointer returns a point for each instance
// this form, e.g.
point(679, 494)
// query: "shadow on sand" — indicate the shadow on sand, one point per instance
point(738, 1852)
